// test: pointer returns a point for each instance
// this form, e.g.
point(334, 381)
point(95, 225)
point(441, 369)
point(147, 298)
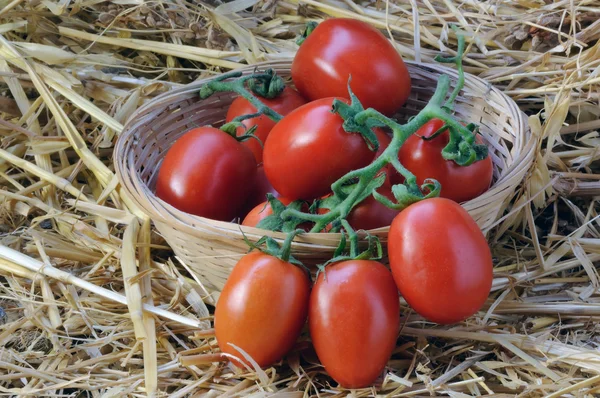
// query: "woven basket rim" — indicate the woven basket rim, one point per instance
point(177, 218)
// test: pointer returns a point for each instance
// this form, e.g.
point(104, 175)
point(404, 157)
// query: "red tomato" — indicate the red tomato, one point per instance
point(308, 150)
point(262, 308)
point(371, 214)
point(354, 319)
point(286, 102)
point(207, 173)
point(261, 188)
point(440, 260)
point(261, 211)
point(339, 48)
point(424, 159)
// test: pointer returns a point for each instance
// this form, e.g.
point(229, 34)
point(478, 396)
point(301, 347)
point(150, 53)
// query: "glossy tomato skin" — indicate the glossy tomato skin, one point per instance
point(286, 102)
point(262, 308)
point(308, 150)
point(424, 159)
point(207, 173)
point(261, 211)
point(339, 48)
point(354, 319)
point(440, 260)
point(371, 214)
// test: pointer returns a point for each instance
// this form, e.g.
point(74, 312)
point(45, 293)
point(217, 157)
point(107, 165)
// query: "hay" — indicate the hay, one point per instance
point(93, 302)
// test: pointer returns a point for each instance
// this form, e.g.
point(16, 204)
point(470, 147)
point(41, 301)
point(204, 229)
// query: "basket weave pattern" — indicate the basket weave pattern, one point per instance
point(211, 248)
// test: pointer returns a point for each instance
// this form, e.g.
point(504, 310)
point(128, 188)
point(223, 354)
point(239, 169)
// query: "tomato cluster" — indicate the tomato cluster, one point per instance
point(439, 259)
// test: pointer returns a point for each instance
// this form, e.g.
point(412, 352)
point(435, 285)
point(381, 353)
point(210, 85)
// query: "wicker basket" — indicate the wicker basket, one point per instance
point(211, 248)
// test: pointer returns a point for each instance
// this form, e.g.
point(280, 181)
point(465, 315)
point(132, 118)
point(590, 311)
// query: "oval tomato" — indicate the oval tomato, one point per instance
point(424, 159)
point(440, 260)
point(262, 308)
point(261, 211)
point(283, 104)
point(339, 48)
point(207, 173)
point(354, 319)
point(308, 150)
point(371, 214)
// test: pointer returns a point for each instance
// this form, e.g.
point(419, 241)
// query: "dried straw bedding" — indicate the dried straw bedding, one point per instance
point(95, 303)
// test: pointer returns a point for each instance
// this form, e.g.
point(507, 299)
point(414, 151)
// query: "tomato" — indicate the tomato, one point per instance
point(308, 150)
point(207, 173)
point(424, 159)
point(339, 48)
point(440, 260)
point(354, 320)
point(371, 214)
point(260, 190)
point(286, 102)
point(261, 211)
point(262, 308)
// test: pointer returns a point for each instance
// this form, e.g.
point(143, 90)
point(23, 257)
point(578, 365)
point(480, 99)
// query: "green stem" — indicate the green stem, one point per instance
point(457, 61)
point(286, 248)
point(238, 86)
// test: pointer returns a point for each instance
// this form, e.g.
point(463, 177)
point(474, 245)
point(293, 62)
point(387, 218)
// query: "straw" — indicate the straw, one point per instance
point(97, 298)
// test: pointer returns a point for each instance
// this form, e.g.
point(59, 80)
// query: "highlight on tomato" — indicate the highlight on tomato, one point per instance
point(340, 48)
point(440, 260)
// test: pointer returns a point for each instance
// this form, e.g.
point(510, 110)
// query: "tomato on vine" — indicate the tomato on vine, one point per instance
point(207, 172)
point(340, 48)
point(354, 319)
point(284, 103)
point(422, 155)
point(371, 214)
point(260, 211)
point(309, 149)
point(440, 260)
point(262, 308)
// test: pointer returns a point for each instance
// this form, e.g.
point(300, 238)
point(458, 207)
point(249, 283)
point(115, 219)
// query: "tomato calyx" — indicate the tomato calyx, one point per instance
point(373, 251)
point(463, 150)
point(349, 111)
point(265, 84)
point(276, 222)
point(269, 246)
point(308, 29)
point(231, 129)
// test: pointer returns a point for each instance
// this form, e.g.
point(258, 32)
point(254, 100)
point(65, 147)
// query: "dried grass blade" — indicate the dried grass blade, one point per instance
point(21, 259)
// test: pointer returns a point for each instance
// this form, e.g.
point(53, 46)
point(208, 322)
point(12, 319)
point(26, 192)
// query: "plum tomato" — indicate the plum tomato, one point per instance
point(262, 308)
point(308, 150)
point(354, 319)
point(208, 173)
point(440, 260)
point(424, 159)
point(261, 211)
point(371, 214)
point(339, 48)
point(283, 104)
